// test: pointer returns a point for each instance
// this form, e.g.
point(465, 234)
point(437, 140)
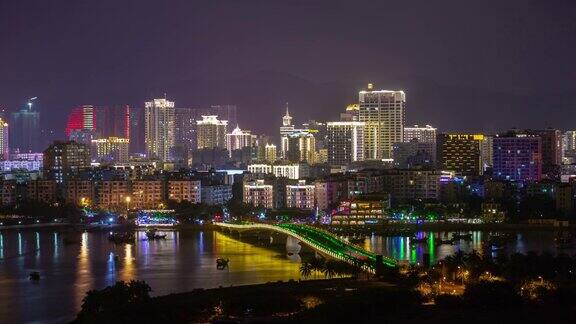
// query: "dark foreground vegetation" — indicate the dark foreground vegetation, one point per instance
point(520, 289)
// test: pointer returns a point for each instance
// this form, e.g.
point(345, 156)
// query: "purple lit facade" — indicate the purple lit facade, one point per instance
point(518, 158)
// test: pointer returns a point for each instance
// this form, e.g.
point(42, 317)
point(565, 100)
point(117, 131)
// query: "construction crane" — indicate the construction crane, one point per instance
point(30, 102)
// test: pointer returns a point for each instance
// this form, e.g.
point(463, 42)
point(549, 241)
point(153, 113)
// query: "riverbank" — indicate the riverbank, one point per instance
point(318, 301)
point(385, 229)
point(401, 228)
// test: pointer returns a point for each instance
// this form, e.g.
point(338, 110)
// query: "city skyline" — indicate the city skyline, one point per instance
point(294, 161)
point(522, 78)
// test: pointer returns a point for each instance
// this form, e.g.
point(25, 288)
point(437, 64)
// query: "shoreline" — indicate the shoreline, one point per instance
point(386, 229)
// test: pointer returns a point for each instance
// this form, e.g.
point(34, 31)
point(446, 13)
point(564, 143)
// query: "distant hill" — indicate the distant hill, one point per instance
point(261, 98)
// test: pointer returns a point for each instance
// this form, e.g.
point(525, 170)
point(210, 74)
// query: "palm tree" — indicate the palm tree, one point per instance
point(317, 265)
point(306, 269)
point(330, 268)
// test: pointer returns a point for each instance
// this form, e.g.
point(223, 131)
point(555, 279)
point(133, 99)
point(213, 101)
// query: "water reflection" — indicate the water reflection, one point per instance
point(83, 271)
point(182, 262)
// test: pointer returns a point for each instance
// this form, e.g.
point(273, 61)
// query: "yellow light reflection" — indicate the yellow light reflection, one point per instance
point(255, 263)
point(129, 269)
point(83, 272)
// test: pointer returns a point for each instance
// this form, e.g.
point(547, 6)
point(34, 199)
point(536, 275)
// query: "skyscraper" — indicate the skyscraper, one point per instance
point(518, 157)
point(487, 151)
point(345, 142)
point(239, 139)
point(111, 149)
point(383, 112)
point(460, 153)
point(286, 129)
point(62, 159)
point(270, 153)
point(4, 142)
point(185, 129)
point(211, 132)
point(81, 118)
point(414, 154)
point(551, 141)
point(159, 128)
point(426, 134)
point(25, 130)
point(137, 131)
point(301, 147)
point(112, 121)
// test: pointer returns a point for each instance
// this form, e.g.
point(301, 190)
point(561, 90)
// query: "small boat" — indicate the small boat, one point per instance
point(34, 276)
point(221, 263)
point(459, 236)
point(495, 248)
point(419, 240)
point(151, 235)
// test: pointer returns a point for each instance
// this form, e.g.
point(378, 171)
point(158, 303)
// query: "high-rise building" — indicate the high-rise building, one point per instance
point(414, 154)
point(351, 113)
point(62, 159)
point(159, 125)
point(517, 157)
point(239, 139)
point(487, 152)
point(569, 141)
point(345, 142)
point(111, 149)
point(185, 190)
point(426, 134)
point(137, 131)
point(270, 153)
point(258, 194)
point(383, 112)
point(551, 141)
point(148, 193)
point(4, 140)
point(301, 147)
point(185, 129)
point(81, 118)
point(569, 147)
point(410, 185)
point(300, 196)
point(211, 132)
point(460, 153)
point(112, 121)
point(25, 130)
point(286, 129)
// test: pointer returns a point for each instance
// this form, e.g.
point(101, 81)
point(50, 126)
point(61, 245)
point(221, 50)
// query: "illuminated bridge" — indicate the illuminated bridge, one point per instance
point(321, 241)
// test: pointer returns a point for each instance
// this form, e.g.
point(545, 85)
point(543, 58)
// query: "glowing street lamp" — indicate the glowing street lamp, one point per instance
point(128, 199)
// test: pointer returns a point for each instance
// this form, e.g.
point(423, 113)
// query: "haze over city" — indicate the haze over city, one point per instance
point(499, 62)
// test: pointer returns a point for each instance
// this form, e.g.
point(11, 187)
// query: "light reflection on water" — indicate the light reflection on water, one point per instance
point(182, 262)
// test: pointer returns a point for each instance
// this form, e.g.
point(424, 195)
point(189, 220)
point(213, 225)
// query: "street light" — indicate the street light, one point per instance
point(127, 199)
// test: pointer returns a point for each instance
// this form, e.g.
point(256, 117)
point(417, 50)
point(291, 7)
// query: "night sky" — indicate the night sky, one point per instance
point(465, 65)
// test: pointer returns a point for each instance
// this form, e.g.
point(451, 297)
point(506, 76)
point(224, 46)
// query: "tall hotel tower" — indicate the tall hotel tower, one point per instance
point(383, 112)
point(159, 128)
point(286, 129)
point(211, 132)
